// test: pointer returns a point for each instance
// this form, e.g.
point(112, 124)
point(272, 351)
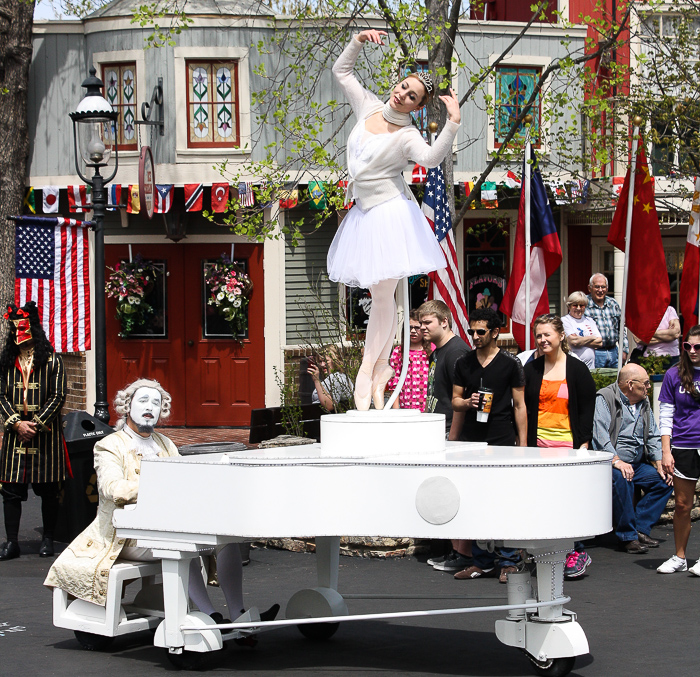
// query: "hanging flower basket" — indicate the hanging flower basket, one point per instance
point(130, 283)
point(228, 291)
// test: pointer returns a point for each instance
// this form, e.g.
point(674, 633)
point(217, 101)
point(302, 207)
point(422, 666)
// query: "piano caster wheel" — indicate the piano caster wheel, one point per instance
point(188, 660)
point(318, 631)
point(554, 667)
point(92, 642)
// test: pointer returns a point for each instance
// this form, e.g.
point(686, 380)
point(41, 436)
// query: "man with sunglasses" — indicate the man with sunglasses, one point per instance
point(491, 367)
point(624, 425)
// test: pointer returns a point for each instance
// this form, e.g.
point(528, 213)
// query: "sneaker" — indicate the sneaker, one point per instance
point(670, 566)
point(503, 576)
point(695, 569)
point(437, 560)
point(453, 562)
point(576, 564)
point(475, 572)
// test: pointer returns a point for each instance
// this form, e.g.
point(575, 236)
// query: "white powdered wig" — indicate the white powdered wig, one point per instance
point(122, 400)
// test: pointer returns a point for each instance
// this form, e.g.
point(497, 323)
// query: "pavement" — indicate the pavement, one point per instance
point(637, 621)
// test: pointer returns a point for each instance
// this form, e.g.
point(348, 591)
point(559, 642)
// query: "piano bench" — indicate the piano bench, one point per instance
point(111, 619)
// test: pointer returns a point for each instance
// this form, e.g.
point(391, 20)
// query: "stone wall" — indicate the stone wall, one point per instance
point(76, 365)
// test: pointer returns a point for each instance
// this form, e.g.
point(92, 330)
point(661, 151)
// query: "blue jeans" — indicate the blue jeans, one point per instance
point(509, 557)
point(628, 521)
point(606, 357)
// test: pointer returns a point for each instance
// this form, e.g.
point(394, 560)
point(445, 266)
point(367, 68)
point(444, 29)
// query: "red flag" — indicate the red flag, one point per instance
point(691, 264)
point(418, 175)
point(648, 291)
point(78, 199)
point(219, 197)
point(344, 186)
point(133, 205)
point(193, 197)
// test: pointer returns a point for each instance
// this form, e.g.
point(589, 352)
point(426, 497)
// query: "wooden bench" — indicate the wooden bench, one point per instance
point(265, 424)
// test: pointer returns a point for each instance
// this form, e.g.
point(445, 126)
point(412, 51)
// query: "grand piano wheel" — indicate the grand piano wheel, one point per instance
point(318, 631)
point(553, 667)
point(91, 642)
point(190, 660)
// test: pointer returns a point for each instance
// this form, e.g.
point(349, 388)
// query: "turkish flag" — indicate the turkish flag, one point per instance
point(219, 197)
point(648, 290)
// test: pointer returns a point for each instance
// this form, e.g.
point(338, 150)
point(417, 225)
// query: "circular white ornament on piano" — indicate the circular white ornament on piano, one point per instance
point(437, 500)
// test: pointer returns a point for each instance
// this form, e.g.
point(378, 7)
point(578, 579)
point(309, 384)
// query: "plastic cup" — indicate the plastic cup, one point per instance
point(485, 402)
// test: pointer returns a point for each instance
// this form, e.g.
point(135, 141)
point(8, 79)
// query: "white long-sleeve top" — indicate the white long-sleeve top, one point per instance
point(381, 179)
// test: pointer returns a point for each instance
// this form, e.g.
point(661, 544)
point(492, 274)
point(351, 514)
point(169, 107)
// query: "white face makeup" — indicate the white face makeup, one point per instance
point(145, 409)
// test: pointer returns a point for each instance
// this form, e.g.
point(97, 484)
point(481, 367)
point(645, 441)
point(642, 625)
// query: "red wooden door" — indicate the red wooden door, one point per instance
point(214, 379)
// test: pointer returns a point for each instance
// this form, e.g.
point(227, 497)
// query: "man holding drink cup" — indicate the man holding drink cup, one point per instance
point(489, 387)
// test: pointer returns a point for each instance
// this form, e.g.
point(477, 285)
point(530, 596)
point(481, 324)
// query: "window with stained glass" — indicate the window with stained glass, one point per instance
point(212, 104)
point(120, 90)
point(514, 86)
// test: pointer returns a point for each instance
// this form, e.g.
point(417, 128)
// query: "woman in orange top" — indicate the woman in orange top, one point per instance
point(560, 399)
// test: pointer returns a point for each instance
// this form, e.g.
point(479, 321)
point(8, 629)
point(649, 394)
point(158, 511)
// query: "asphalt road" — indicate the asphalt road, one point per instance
point(637, 621)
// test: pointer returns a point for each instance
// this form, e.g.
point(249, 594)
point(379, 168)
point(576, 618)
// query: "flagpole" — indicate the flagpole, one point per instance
point(528, 240)
point(628, 234)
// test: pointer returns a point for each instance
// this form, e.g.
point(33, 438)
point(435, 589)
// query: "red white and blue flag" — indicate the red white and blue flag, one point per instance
point(114, 197)
point(51, 269)
point(545, 258)
point(164, 198)
point(446, 283)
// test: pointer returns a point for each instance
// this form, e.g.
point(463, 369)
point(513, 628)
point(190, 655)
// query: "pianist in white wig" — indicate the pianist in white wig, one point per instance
point(122, 400)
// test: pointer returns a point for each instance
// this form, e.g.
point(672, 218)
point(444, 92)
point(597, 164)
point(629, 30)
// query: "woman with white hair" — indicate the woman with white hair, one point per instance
point(582, 333)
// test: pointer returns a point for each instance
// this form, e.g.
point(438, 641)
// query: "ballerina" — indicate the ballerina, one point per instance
point(385, 236)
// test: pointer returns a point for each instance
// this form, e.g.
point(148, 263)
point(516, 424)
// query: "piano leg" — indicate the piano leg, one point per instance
point(549, 635)
point(176, 577)
point(324, 600)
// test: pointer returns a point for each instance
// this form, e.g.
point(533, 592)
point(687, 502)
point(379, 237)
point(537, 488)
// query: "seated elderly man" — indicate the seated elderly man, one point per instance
point(625, 426)
point(83, 567)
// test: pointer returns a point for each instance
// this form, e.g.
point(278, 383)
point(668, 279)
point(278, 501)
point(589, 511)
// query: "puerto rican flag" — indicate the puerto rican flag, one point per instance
point(193, 197)
point(545, 257)
point(164, 198)
point(446, 283)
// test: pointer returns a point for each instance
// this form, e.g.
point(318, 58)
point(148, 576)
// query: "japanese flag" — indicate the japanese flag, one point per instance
point(50, 198)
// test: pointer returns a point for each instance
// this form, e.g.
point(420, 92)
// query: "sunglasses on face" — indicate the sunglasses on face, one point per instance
point(691, 346)
point(478, 332)
point(578, 305)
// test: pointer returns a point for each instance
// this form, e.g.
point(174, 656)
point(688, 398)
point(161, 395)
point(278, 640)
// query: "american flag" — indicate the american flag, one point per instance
point(51, 268)
point(447, 284)
point(245, 194)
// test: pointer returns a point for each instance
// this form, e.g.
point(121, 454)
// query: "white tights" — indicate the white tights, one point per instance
point(229, 567)
point(378, 341)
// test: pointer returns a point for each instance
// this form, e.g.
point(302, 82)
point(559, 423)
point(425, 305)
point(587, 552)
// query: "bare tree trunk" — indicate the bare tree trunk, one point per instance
point(16, 19)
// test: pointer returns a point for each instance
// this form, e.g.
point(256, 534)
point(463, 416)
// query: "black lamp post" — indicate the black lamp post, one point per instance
point(94, 139)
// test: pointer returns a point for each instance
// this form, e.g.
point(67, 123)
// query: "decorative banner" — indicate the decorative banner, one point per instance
point(512, 180)
point(489, 195)
point(114, 197)
point(343, 185)
point(616, 188)
point(50, 198)
point(468, 187)
point(78, 198)
point(133, 206)
point(219, 197)
point(419, 174)
point(289, 198)
point(29, 201)
point(164, 197)
point(193, 197)
point(245, 194)
point(317, 194)
point(691, 263)
point(147, 181)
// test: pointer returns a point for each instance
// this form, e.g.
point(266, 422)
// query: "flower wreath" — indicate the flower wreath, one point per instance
point(228, 290)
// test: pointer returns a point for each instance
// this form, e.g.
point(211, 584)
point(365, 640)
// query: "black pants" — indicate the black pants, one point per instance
point(13, 493)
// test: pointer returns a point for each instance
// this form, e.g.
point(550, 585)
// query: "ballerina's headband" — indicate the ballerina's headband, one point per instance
point(424, 76)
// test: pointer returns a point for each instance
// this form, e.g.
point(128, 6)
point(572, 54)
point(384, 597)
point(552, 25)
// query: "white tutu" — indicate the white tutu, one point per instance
point(389, 241)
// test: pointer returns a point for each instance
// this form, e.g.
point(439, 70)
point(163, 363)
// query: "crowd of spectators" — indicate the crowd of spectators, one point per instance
point(547, 398)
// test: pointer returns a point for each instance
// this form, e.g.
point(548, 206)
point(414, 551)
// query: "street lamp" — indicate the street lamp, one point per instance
point(94, 139)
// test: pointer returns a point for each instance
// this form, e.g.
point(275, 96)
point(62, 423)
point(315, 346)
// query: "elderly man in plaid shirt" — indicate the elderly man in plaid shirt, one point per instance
point(605, 312)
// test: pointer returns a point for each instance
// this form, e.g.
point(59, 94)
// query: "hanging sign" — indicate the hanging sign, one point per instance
point(147, 181)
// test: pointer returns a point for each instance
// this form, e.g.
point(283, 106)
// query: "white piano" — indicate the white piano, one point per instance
point(377, 474)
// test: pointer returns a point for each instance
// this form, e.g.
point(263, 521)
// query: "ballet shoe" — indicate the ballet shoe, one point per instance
point(380, 378)
point(362, 402)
